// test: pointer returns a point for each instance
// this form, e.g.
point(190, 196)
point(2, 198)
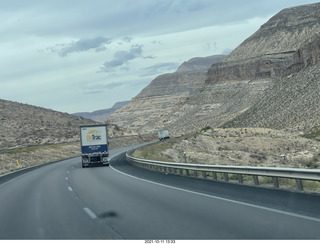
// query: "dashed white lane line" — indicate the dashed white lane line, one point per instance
point(90, 213)
point(69, 188)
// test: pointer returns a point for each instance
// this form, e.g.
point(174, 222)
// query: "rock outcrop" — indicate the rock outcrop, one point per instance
point(149, 110)
point(270, 80)
point(284, 45)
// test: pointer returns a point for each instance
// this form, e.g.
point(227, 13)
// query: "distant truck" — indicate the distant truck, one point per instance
point(163, 134)
point(94, 145)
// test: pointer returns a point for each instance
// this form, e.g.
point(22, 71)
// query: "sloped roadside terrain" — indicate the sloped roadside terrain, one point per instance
point(238, 147)
point(292, 102)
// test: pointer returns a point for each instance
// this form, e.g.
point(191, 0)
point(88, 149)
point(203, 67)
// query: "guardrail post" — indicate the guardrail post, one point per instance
point(240, 179)
point(187, 172)
point(275, 182)
point(299, 184)
point(204, 174)
point(256, 180)
point(214, 175)
point(226, 177)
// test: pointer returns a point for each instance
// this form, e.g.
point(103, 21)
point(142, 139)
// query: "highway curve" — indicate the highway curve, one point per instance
point(65, 201)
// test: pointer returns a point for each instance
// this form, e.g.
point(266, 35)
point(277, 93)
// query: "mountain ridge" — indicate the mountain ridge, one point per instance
point(102, 114)
point(163, 95)
point(268, 62)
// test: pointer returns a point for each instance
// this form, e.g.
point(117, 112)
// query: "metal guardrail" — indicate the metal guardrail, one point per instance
point(207, 171)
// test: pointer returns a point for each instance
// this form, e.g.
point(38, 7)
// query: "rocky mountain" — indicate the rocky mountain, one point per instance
point(148, 111)
point(285, 51)
point(270, 80)
point(103, 114)
point(200, 63)
point(23, 125)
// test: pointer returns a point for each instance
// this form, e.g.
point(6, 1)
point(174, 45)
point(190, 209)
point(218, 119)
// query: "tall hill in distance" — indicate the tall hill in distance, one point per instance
point(148, 111)
point(103, 114)
point(270, 80)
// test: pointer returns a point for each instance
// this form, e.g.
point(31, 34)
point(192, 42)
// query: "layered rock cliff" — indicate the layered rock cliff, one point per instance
point(270, 80)
point(287, 43)
point(286, 50)
point(149, 110)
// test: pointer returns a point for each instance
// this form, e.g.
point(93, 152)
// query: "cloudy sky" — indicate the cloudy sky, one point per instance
point(81, 56)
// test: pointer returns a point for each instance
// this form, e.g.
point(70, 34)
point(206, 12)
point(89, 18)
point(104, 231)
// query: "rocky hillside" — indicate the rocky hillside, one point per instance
point(238, 147)
point(200, 63)
point(23, 125)
point(291, 102)
point(284, 45)
point(103, 114)
point(270, 80)
point(285, 50)
point(148, 111)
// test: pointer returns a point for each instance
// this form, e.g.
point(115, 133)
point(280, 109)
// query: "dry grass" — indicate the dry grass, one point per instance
point(239, 147)
point(11, 160)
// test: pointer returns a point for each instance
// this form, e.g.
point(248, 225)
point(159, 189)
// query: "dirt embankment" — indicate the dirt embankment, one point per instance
point(239, 147)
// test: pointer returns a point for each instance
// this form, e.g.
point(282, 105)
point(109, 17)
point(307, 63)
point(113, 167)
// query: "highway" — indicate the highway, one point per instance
point(65, 201)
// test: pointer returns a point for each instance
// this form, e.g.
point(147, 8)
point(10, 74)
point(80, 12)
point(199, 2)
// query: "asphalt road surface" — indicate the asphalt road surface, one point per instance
point(65, 201)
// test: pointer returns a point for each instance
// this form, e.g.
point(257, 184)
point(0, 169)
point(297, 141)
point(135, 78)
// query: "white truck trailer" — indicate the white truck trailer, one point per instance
point(163, 134)
point(94, 145)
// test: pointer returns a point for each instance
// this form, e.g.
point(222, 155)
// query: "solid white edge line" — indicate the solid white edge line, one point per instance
point(90, 213)
point(221, 198)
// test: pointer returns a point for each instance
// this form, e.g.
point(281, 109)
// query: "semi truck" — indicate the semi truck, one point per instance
point(163, 134)
point(94, 145)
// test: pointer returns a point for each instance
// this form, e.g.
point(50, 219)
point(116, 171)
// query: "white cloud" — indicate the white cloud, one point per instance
point(97, 43)
point(123, 57)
